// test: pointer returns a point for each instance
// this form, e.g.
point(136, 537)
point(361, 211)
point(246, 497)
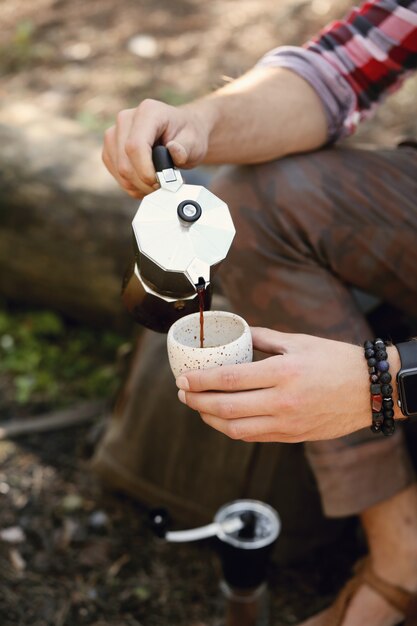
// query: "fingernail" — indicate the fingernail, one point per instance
point(181, 396)
point(182, 383)
point(155, 186)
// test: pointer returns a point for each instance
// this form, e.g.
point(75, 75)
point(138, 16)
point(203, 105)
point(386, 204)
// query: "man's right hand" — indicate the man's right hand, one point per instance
point(127, 151)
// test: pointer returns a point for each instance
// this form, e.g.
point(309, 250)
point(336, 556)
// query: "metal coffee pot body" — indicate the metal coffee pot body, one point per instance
point(181, 234)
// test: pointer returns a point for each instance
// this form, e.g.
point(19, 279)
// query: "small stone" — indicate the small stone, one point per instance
point(78, 51)
point(142, 593)
point(17, 561)
point(13, 534)
point(144, 46)
point(98, 520)
point(72, 502)
point(6, 342)
point(376, 402)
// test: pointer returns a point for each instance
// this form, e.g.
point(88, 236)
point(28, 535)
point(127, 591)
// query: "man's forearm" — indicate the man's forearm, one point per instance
point(266, 114)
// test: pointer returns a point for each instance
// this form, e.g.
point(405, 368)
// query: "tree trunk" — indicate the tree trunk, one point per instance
point(65, 226)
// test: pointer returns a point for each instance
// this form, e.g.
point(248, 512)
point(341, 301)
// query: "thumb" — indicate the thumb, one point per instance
point(270, 341)
point(178, 152)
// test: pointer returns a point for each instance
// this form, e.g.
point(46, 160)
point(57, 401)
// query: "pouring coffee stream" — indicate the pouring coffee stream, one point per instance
point(182, 233)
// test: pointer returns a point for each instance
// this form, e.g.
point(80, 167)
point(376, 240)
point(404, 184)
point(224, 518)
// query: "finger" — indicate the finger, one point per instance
point(109, 149)
point(125, 167)
point(241, 377)
point(184, 149)
point(148, 124)
point(109, 157)
point(289, 431)
point(276, 437)
point(241, 428)
point(229, 405)
point(178, 152)
point(271, 341)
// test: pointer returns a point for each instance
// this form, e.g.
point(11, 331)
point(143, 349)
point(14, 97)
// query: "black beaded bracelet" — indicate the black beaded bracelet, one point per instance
point(381, 389)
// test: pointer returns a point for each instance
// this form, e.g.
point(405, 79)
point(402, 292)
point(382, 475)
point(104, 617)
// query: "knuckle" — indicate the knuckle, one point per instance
point(108, 135)
point(225, 409)
point(125, 171)
point(148, 179)
point(229, 380)
point(291, 370)
point(123, 116)
point(147, 104)
point(234, 430)
point(288, 405)
point(197, 382)
point(131, 147)
point(205, 417)
point(105, 157)
point(298, 438)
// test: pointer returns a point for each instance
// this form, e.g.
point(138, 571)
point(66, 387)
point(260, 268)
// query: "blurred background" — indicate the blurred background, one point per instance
point(70, 554)
point(88, 60)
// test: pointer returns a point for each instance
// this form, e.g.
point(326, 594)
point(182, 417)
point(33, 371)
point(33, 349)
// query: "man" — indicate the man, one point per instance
point(308, 228)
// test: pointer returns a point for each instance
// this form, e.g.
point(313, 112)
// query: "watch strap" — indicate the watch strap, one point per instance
point(408, 354)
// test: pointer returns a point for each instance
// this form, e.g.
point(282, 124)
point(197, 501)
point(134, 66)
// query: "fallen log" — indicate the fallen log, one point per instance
point(65, 418)
point(65, 226)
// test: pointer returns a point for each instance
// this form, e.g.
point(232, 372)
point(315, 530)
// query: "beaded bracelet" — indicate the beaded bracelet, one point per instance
point(381, 390)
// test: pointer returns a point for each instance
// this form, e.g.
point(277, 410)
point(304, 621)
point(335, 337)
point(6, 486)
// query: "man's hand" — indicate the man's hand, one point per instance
point(127, 151)
point(235, 124)
point(312, 388)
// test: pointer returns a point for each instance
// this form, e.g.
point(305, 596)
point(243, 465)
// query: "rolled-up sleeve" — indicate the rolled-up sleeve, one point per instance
point(354, 63)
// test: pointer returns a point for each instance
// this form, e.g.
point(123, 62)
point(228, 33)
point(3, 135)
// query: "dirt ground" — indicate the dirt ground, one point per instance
point(79, 555)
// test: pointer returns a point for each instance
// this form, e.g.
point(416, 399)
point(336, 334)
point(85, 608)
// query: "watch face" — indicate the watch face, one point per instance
point(409, 392)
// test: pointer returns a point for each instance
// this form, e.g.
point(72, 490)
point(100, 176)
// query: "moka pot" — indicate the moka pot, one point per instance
point(181, 234)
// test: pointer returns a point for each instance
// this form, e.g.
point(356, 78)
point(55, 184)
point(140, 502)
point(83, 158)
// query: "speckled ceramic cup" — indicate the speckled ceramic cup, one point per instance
point(227, 340)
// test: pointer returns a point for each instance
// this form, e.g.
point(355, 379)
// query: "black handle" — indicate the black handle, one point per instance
point(160, 521)
point(161, 158)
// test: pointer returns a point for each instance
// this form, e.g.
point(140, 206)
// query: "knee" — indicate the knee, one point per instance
point(275, 189)
point(284, 201)
point(241, 188)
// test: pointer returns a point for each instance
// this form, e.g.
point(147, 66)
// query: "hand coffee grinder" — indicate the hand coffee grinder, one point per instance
point(181, 233)
point(245, 532)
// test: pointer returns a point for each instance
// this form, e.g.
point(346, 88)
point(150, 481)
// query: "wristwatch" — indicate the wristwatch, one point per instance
point(407, 378)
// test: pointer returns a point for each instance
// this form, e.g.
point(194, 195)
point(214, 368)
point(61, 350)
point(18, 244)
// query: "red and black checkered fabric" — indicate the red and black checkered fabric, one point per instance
point(374, 48)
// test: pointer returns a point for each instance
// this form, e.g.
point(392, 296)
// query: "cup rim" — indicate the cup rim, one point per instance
point(171, 337)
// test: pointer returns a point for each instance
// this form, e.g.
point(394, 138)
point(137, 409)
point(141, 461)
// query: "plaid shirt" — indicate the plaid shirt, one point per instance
point(355, 62)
